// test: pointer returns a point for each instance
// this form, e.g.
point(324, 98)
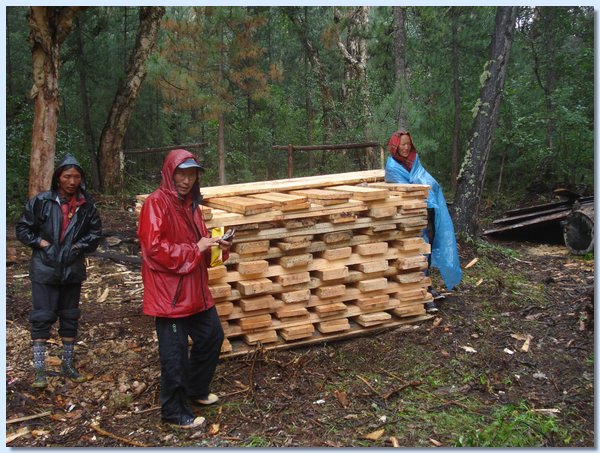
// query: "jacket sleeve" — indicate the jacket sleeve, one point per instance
point(91, 239)
point(160, 252)
point(27, 229)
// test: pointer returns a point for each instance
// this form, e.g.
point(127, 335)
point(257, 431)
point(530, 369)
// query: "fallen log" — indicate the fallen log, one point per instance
point(579, 229)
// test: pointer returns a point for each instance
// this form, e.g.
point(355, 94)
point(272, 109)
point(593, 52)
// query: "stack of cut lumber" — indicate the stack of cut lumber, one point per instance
point(317, 258)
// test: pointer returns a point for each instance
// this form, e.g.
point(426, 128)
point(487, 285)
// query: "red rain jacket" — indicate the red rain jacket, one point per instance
point(174, 271)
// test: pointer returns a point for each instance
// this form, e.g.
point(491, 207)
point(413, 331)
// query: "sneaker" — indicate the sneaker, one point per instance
point(187, 423)
point(210, 399)
point(431, 308)
point(436, 295)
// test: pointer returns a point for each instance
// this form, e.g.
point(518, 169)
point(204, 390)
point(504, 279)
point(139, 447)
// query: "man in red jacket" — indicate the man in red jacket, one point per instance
point(176, 253)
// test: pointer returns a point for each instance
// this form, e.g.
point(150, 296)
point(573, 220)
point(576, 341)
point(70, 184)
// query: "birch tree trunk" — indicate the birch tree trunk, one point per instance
point(49, 26)
point(111, 140)
point(472, 175)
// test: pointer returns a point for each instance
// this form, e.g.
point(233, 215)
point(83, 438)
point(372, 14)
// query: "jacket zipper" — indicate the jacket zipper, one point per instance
point(177, 291)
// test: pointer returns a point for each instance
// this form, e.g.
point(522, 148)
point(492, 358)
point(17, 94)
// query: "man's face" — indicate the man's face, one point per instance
point(405, 146)
point(69, 181)
point(185, 179)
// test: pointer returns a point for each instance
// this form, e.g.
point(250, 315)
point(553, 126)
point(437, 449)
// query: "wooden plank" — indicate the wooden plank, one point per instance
point(291, 312)
point(319, 195)
point(293, 279)
point(380, 213)
point(409, 243)
point(372, 319)
point(285, 185)
point(414, 310)
point(289, 246)
point(292, 239)
point(248, 248)
point(337, 236)
point(226, 346)
point(266, 336)
point(255, 322)
point(331, 309)
point(257, 303)
point(241, 205)
point(362, 193)
point(256, 286)
point(336, 254)
point(375, 284)
point(224, 309)
point(292, 297)
point(297, 332)
point(332, 274)
point(220, 290)
point(410, 277)
point(342, 217)
point(373, 302)
point(216, 273)
point(374, 248)
point(253, 267)
point(290, 261)
point(336, 325)
point(372, 266)
point(278, 199)
point(327, 292)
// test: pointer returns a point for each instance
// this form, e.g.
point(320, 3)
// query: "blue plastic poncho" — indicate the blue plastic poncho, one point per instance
point(444, 254)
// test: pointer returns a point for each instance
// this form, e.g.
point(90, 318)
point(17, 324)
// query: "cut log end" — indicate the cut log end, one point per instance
point(579, 232)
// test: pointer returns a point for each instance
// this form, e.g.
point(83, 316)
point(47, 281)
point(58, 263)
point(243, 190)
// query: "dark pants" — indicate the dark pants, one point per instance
point(186, 374)
point(52, 302)
point(430, 234)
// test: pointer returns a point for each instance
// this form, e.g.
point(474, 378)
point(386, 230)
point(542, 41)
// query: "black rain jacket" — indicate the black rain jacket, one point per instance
point(60, 262)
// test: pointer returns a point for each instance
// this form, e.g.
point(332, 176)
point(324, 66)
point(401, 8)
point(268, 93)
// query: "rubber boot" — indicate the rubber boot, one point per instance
point(39, 364)
point(68, 369)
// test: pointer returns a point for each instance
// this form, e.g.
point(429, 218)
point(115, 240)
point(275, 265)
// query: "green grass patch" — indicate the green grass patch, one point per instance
point(257, 441)
point(514, 426)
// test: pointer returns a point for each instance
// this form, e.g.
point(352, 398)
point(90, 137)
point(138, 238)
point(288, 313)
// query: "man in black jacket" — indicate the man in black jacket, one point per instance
point(60, 225)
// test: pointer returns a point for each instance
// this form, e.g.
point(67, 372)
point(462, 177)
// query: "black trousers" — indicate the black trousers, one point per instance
point(430, 233)
point(187, 373)
point(52, 302)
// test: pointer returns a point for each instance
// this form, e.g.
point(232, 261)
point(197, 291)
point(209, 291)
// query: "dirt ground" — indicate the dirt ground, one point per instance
point(512, 345)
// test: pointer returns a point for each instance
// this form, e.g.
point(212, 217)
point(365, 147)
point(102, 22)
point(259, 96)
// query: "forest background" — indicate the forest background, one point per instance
point(248, 78)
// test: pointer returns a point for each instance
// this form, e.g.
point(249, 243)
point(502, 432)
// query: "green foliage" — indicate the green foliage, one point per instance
point(515, 426)
point(270, 93)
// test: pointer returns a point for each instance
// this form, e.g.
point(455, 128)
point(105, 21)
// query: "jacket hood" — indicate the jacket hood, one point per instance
point(172, 161)
point(68, 160)
point(394, 142)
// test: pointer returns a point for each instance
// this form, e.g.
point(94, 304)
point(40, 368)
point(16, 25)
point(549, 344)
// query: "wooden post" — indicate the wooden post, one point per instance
point(290, 161)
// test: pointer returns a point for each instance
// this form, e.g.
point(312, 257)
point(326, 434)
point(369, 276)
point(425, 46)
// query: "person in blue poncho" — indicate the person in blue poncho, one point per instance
point(404, 166)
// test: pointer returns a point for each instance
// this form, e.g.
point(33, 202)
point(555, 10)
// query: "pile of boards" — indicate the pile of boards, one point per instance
point(317, 258)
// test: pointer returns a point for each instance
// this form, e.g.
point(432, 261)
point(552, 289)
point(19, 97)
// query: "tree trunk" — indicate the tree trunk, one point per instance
point(111, 140)
point(9, 68)
point(49, 26)
point(355, 87)
point(544, 28)
point(472, 174)
point(85, 107)
point(400, 59)
point(221, 116)
point(457, 96)
point(331, 123)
